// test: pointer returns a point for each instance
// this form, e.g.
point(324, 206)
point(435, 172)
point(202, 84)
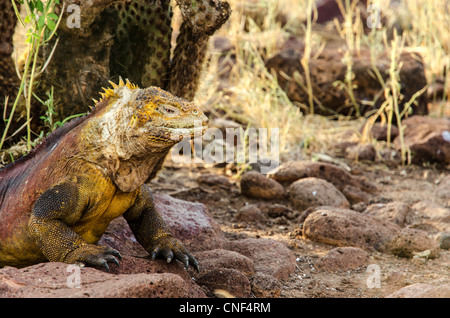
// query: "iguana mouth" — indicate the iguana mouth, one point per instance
point(177, 133)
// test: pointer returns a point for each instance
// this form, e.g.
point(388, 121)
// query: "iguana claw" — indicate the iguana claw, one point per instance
point(95, 256)
point(169, 247)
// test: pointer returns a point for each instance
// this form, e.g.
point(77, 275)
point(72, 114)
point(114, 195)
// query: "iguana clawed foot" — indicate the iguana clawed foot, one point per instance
point(95, 256)
point(99, 256)
point(170, 247)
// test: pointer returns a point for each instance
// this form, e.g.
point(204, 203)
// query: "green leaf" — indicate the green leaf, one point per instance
point(51, 24)
point(40, 6)
point(47, 34)
point(41, 21)
point(53, 16)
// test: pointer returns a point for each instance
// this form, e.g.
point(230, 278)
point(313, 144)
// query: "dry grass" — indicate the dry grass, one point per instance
point(251, 94)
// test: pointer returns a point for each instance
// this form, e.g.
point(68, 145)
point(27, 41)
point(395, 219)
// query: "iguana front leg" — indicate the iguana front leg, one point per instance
point(53, 213)
point(151, 231)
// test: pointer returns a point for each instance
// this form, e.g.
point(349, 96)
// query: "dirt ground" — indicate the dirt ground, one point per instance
point(407, 184)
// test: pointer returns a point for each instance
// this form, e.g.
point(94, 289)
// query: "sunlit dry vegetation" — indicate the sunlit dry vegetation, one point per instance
point(256, 30)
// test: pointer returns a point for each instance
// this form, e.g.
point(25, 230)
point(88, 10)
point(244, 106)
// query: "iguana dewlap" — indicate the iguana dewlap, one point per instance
point(56, 202)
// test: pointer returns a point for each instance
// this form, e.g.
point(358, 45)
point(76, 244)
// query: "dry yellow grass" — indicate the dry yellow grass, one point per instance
point(253, 94)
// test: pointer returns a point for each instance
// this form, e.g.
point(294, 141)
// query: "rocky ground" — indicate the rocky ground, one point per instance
point(352, 222)
point(307, 229)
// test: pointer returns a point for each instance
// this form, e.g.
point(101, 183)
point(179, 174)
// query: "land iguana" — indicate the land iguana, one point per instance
point(57, 201)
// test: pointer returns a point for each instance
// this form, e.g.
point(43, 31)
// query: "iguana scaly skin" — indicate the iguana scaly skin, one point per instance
point(56, 202)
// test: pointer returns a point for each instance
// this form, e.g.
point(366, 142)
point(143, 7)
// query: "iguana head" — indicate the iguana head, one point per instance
point(131, 130)
point(166, 119)
point(138, 121)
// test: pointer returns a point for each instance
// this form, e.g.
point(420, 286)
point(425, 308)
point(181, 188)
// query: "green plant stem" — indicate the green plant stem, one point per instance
point(16, 101)
point(35, 50)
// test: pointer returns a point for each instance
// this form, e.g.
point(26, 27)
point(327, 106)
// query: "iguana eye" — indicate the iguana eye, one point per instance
point(195, 112)
point(168, 111)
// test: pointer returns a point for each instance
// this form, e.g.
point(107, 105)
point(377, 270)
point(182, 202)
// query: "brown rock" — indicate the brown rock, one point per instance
point(295, 170)
point(214, 180)
point(308, 192)
point(341, 227)
point(249, 213)
point(426, 214)
point(443, 190)
point(444, 240)
point(277, 210)
point(327, 68)
point(421, 290)
point(269, 256)
point(130, 264)
point(355, 195)
point(265, 286)
point(119, 236)
point(379, 131)
point(361, 152)
point(432, 211)
point(256, 185)
point(51, 280)
point(190, 222)
point(230, 280)
point(408, 242)
point(428, 138)
point(343, 258)
point(219, 258)
point(395, 212)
